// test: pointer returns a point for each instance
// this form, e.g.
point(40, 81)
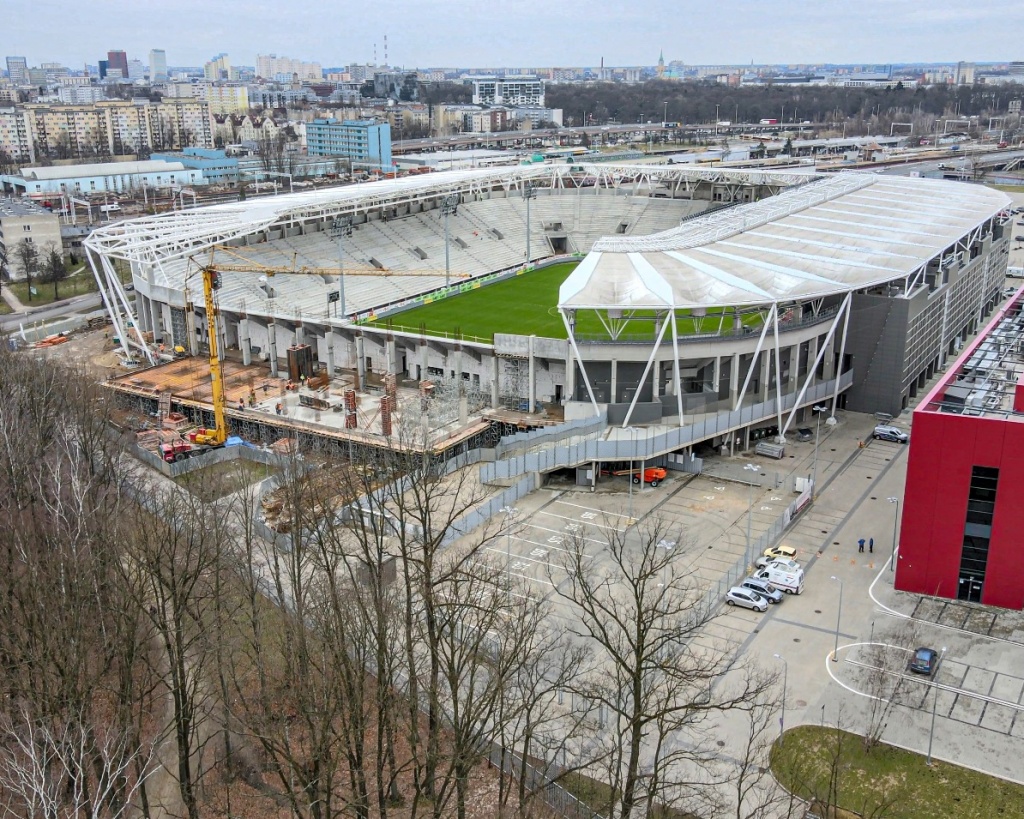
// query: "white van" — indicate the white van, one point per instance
point(791, 582)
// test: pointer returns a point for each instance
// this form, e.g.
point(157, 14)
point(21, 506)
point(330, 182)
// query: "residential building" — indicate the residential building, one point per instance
point(16, 134)
point(366, 143)
point(81, 94)
point(227, 99)
point(535, 116)
point(157, 66)
point(258, 129)
point(219, 68)
point(23, 221)
point(962, 514)
point(454, 119)
point(516, 89)
point(269, 66)
point(17, 70)
point(118, 127)
point(489, 121)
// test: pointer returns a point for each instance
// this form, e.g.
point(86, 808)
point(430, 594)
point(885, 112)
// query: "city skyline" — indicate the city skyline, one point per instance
point(573, 33)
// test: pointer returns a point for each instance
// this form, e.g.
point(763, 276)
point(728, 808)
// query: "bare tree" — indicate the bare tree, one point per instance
point(69, 769)
point(54, 270)
point(647, 676)
point(28, 258)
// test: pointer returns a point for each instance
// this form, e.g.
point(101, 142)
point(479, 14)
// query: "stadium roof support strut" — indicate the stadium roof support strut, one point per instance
point(842, 313)
point(579, 359)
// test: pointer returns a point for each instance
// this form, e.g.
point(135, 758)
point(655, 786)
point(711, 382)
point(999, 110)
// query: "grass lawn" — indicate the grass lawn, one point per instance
point(76, 285)
point(898, 783)
point(527, 305)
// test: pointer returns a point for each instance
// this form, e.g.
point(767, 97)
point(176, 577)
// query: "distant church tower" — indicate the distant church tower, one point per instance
point(661, 65)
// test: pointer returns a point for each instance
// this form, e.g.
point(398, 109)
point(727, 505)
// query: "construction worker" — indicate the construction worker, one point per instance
point(277, 408)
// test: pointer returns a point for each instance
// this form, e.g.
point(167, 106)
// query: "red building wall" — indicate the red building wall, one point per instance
point(944, 448)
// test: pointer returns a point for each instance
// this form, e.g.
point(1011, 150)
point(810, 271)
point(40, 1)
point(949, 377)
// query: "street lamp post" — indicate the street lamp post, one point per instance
point(528, 193)
point(449, 207)
point(785, 682)
point(935, 702)
point(510, 513)
point(895, 523)
point(817, 410)
point(750, 506)
point(341, 228)
point(839, 616)
point(632, 452)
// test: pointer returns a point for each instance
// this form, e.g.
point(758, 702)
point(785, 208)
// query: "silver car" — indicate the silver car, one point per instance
point(885, 432)
point(748, 598)
point(763, 588)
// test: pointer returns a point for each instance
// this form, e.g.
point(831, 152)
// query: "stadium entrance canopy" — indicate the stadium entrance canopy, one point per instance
point(830, 237)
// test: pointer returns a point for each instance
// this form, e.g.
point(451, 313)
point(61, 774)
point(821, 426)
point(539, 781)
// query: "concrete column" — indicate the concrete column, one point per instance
point(245, 341)
point(765, 369)
point(570, 373)
point(361, 361)
point(716, 378)
point(614, 382)
point(424, 360)
point(272, 347)
point(735, 379)
point(812, 354)
point(391, 354)
point(495, 371)
point(531, 390)
point(455, 357)
point(329, 344)
point(737, 321)
point(794, 369)
point(300, 335)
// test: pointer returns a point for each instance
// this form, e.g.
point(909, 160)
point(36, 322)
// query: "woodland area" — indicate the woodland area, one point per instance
point(160, 658)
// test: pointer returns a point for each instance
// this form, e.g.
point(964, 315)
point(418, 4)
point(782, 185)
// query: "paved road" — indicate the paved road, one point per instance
point(78, 305)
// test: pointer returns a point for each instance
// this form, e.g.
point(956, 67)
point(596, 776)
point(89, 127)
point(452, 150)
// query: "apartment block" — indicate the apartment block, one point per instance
point(365, 143)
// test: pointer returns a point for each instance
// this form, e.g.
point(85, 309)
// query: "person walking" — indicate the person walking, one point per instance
point(860, 545)
point(871, 545)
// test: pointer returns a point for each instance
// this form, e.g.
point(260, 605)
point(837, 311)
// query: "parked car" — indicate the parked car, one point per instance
point(763, 588)
point(748, 598)
point(787, 552)
point(784, 563)
point(884, 432)
point(791, 582)
point(924, 661)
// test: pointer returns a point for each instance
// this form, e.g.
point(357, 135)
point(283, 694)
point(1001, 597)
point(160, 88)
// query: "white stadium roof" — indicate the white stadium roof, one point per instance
point(834, 235)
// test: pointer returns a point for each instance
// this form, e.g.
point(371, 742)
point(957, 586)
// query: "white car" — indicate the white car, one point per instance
point(784, 563)
point(748, 598)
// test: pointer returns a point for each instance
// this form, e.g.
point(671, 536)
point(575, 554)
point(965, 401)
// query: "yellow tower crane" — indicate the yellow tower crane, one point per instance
point(211, 274)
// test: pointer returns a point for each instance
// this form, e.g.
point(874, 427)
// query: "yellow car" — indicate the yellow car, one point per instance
point(780, 551)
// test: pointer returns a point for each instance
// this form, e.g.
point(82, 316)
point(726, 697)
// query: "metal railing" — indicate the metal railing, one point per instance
point(620, 449)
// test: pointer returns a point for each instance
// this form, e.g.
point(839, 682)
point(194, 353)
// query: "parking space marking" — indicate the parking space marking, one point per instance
point(561, 533)
point(594, 512)
point(544, 545)
point(586, 521)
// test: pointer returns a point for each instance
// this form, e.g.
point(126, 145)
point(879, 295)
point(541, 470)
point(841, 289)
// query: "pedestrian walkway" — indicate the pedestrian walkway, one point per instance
point(12, 300)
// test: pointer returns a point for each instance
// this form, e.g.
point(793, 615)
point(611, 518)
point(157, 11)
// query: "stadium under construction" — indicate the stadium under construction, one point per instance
point(710, 308)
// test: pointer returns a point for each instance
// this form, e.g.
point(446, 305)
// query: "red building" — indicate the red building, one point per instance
point(963, 514)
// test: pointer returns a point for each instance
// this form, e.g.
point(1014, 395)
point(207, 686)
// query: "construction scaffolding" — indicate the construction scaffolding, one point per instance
point(513, 384)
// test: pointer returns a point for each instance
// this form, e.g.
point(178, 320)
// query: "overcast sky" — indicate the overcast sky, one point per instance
point(516, 33)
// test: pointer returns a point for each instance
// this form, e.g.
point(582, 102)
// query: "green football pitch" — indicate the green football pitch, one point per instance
point(527, 304)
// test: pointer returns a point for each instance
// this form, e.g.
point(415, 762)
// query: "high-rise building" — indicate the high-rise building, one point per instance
point(270, 66)
point(104, 65)
point(517, 89)
point(118, 59)
point(219, 68)
point(157, 65)
point(17, 70)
